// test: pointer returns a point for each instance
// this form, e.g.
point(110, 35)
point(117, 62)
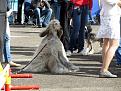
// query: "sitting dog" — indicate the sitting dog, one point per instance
point(50, 55)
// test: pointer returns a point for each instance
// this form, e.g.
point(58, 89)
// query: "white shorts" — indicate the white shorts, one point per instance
point(109, 28)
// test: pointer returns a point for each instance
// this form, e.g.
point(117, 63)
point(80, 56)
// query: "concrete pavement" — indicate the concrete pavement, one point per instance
point(24, 41)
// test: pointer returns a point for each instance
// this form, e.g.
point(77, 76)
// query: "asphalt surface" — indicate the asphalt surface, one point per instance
point(25, 40)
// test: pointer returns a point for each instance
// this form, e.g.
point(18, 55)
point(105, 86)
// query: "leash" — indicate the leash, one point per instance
point(31, 60)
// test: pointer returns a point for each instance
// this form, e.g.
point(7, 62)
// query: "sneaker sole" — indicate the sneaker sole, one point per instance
point(102, 76)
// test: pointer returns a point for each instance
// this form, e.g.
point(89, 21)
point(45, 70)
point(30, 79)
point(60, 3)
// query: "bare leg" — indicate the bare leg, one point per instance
point(105, 47)
point(109, 48)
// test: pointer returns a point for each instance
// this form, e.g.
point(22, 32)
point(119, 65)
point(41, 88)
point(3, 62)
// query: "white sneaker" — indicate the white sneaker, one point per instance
point(68, 53)
point(86, 51)
point(107, 74)
point(75, 51)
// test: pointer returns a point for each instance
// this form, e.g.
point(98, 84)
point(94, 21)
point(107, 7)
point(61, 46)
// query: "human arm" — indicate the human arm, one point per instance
point(47, 5)
point(9, 10)
point(8, 13)
point(112, 2)
point(119, 3)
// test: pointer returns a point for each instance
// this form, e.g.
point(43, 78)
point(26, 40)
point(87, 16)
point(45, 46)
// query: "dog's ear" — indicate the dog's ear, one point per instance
point(60, 33)
point(47, 31)
point(89, 28)
point(44, 33)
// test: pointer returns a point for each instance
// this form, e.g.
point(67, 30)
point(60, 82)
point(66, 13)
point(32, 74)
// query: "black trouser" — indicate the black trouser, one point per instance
point(64, 20)
point(19, 14)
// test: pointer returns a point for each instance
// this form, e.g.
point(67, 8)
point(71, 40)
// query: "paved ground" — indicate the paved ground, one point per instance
point(25, 40)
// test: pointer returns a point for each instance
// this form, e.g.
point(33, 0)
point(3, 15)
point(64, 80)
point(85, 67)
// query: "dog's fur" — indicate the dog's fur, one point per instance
point(50, 55)
point(91, 37)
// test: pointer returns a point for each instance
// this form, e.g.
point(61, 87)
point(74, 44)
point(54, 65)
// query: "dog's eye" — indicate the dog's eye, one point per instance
point(56, 23)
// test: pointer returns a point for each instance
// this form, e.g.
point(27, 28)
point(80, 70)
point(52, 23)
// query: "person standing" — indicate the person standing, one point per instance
point(65, 17)
point(19, 14)
point(27, 6)
point(79, 18)
point(3, 10)
point(118, 51)
point(6, 48)
point(56, 7)
point(118, 55)
point(61, 12)
point(110, 32)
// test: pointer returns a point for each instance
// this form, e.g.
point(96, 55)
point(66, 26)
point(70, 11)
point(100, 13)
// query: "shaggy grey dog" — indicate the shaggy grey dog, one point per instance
point(50, 55)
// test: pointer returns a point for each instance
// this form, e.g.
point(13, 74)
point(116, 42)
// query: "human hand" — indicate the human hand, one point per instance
point(8, 13)
point(119, 3)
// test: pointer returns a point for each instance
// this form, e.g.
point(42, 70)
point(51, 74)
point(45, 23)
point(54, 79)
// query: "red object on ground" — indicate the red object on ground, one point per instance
point(7, 87)
point(21, 75)
point(31, 87)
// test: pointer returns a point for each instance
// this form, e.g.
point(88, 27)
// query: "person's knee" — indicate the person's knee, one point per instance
point(114, 43)
point(36, 11)
point(49, 11)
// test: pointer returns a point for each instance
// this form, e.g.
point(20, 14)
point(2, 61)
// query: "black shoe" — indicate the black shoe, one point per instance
point(43, 25)
point(39, 26)
point(18, 23)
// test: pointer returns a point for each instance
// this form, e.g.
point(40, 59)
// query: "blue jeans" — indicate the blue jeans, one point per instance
point(6, 50)
point(56, 10)
point(43, 16)
point(6, 46)
point(118, 54)
point(79, 18)
point(118, 51)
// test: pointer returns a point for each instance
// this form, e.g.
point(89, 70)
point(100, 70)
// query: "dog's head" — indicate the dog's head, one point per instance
point(54, 28)
point(89, 28)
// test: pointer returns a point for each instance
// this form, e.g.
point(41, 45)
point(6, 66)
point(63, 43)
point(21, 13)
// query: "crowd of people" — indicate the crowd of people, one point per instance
point(73, 16)
point(36, 11)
